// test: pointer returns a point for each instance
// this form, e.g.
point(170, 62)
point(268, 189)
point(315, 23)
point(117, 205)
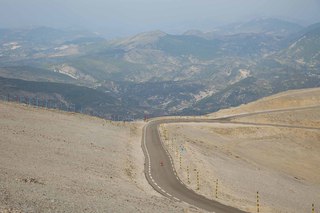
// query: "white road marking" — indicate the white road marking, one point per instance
point(176, 199)
point(149, 172)
point(172, 165)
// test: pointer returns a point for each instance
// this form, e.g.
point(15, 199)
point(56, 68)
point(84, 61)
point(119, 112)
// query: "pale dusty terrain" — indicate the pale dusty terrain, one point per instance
point(284, 100)
point(54, 161)
point(282, 163)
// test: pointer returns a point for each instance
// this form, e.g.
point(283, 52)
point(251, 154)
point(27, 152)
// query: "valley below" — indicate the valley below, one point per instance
point(160, 74)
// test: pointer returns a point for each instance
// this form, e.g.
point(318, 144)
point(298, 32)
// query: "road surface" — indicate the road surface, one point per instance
point(161, 174)
point(164, 179)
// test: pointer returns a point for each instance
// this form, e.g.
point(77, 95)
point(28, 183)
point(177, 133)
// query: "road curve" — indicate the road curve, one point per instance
point(164, 178)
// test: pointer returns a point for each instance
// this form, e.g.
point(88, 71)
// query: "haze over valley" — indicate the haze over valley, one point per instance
point(156, 73)
point(160, 106)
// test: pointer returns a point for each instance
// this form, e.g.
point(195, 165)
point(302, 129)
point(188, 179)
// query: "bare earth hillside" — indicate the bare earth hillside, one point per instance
point(284, 100)
point(61, 162)
point(281, 162)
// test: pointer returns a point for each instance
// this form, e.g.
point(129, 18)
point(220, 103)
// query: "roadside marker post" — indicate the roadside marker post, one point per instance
point(217, 182)
point(198, 183)
point(188, 174)
point(313, 208)
point(258, 202)
point(180, 161)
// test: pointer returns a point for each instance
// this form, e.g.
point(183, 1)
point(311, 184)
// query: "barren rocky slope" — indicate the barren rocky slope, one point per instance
point(281, 162)
point(54, 161)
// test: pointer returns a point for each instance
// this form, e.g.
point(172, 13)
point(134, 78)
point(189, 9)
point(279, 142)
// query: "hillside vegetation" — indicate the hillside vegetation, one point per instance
point(232, 65)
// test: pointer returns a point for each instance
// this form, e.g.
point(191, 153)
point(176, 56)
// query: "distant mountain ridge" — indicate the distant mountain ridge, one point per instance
point(263, 25)
point(305, 50)
point(161, 74)
point(270, 26)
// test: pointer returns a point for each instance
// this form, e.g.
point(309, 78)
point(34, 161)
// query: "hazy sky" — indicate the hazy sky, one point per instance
point(124, 17)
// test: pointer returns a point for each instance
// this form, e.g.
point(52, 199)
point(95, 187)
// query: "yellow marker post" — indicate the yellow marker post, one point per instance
point(258, 202)
point(217, 182)
point(188, 174)
point(312, 208)
point(198, 182)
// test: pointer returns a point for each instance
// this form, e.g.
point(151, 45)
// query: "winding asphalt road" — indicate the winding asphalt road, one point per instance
point(164, 179)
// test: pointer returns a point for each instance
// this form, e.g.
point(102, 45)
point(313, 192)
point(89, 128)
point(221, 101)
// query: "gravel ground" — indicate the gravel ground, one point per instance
point(61, 162)
point(281, 163)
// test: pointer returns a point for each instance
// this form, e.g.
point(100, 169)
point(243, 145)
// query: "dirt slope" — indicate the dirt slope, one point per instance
point(282, 163)
point(60, 162)
point(284, 100)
